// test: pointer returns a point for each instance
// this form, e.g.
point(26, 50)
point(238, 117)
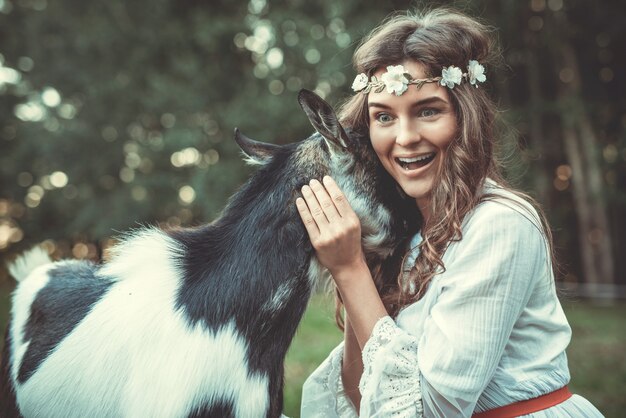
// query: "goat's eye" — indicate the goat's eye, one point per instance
point(383, 118)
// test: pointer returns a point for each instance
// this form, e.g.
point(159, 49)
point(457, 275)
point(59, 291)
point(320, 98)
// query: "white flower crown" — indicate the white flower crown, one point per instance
point(397, 79)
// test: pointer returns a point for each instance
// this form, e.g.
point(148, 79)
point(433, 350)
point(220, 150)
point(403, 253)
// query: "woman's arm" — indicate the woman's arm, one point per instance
point(352, 367)
point(335, 233)
point(361, 300)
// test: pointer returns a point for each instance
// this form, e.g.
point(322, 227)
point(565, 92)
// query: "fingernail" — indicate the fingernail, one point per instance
point(314, 181)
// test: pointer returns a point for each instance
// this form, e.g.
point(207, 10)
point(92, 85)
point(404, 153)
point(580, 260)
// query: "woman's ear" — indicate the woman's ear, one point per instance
point(324, 120)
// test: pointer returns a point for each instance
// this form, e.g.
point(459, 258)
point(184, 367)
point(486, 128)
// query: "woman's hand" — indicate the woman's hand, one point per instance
point(335, 232)
point(333, 227)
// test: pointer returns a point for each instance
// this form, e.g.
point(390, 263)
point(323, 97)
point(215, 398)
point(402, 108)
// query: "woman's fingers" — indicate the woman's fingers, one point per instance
point(335, 238)
point(338, 198)
point(324, 209)
point(307, 219)
point(314, 207)
point(325, 201)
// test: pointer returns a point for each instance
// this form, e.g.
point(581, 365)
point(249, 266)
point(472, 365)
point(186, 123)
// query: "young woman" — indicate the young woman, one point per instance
point(472, 323)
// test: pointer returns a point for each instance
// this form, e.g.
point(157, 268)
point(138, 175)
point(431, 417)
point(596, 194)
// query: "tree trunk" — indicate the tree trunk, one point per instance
point(581, 144)
point(541, 179)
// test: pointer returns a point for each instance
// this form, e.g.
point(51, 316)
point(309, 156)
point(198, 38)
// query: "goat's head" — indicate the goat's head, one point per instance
point(347, 156)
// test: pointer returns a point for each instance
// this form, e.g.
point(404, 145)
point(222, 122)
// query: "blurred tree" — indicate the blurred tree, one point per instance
point(589, 189)
point(122, 112)
point(565, 100)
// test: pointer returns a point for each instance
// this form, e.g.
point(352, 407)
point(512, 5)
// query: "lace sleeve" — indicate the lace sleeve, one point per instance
point(323, 395)
point(390, 384)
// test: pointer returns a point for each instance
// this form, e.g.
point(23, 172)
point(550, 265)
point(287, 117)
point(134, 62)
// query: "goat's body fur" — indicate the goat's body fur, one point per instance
point(191, 322)
point(129, 355)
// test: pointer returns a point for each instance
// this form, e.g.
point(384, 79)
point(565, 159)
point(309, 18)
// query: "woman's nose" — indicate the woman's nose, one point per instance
point(408, 133)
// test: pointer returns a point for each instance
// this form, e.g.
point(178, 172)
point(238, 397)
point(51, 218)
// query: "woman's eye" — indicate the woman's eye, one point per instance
point(429, 112)
point(383, 118)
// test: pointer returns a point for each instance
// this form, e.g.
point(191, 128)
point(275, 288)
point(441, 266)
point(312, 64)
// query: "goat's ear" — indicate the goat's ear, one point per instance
point(324, 120)
point(256, 152)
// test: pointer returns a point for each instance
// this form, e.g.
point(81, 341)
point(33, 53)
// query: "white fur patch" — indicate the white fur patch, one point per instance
point(254, 161)
point(135, 356)
point(316, 272)
point(23, 265)
point(280, 296)
point(376, 239)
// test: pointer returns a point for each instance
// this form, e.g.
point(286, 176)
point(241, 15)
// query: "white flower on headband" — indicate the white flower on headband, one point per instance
point(395, 79)
point(360, 82)
point(450, 76)
point(476, 73)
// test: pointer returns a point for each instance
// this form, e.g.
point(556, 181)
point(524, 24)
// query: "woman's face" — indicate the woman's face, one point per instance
point(411, 132)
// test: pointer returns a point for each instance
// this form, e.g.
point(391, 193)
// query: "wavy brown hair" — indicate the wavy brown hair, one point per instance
point(437, 38)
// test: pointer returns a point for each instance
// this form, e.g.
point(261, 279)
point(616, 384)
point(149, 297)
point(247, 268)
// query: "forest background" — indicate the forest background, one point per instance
point(118, 114)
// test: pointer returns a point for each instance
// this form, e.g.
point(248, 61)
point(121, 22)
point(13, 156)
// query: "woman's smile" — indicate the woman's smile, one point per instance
point(413, 164)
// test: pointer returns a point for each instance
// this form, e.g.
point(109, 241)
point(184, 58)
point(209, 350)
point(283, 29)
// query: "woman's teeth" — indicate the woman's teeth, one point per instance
point(415, 162)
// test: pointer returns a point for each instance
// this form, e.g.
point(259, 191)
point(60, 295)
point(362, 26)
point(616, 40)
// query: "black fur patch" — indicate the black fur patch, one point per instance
point(221, 409)
point(68, 297)
point(258, 245)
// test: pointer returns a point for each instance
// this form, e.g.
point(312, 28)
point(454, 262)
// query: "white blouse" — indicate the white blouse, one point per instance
point(489, 331)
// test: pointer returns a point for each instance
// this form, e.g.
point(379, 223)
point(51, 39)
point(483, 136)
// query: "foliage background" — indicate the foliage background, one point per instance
point(116, 114)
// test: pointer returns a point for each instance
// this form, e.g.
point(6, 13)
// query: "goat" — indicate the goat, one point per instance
point(193, 322)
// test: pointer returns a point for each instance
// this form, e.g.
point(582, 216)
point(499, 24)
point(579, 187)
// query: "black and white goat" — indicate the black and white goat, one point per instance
point(192, 322)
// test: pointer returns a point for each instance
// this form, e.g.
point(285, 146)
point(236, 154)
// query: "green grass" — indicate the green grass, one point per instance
point(315, 338)
point(597, 354)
